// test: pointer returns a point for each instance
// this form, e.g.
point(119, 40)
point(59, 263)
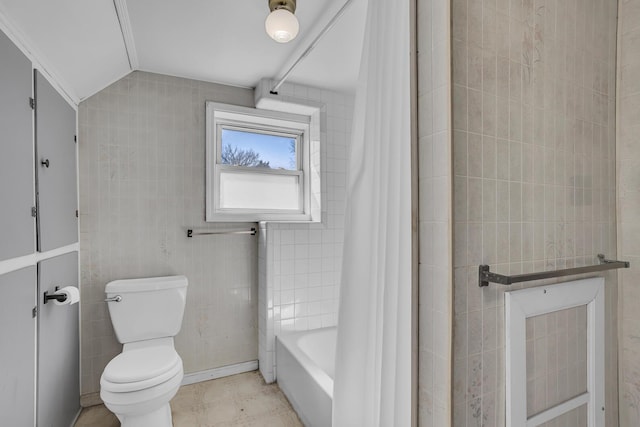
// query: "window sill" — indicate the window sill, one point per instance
point(275, 218)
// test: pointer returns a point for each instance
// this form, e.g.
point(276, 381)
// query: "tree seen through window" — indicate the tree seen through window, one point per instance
point(258, 150)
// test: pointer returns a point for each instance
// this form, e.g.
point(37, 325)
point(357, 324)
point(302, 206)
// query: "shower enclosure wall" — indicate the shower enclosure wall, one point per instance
point(628, 160)
point(517, 170)
point(435, 212)
point(534, 167)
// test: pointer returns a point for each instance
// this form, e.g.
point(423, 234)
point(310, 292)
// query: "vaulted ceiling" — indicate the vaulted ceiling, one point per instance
point(87, 45)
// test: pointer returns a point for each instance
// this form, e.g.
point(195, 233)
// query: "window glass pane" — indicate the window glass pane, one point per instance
point(259, 191)
point(252, 149)
point(579, 417)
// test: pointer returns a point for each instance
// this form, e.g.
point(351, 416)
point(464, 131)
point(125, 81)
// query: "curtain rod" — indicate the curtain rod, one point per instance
point(325, 30)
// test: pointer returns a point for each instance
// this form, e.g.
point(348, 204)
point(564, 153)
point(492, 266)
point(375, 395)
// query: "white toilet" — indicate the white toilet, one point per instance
point(138, 384)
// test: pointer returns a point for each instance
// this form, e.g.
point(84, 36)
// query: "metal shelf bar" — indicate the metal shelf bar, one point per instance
point(485, 276)
point(191, 233)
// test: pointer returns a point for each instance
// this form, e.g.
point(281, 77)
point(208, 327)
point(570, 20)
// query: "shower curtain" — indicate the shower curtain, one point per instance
point(372, 385)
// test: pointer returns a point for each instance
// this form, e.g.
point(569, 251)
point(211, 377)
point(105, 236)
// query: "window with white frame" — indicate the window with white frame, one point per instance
point(258, 165)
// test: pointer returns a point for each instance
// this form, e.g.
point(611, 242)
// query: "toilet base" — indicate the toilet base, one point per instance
point(161, 417)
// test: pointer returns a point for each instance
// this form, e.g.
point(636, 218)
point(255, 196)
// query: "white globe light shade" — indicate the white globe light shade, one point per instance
point(282, 25)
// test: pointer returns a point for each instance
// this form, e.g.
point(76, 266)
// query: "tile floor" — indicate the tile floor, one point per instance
point(238, 400)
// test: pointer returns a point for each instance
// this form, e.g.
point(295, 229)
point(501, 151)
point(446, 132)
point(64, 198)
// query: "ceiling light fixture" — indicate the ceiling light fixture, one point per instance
point(281, 24)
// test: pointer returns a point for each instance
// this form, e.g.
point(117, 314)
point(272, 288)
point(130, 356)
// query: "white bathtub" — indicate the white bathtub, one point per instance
point(304, 368)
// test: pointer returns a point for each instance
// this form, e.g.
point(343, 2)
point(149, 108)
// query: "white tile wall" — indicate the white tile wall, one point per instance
point(142, 183)
point(300, 264)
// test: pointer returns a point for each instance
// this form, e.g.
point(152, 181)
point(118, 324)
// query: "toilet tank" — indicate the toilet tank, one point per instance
point(149, 308)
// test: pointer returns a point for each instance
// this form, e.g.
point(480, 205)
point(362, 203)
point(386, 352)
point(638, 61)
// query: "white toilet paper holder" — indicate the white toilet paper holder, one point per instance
point(57, 297)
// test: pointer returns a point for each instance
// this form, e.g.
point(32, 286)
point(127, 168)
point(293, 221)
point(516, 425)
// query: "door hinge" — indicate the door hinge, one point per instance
point(34, 312)
point(76, 213)
point(34, 211)
point(32, 103)
point(75, 138)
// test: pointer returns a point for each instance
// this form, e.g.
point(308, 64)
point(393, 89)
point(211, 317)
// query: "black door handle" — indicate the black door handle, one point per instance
point(45, 163)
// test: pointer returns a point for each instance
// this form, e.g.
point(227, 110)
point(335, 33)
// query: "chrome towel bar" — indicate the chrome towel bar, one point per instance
point(485, 276)
point(191, 232)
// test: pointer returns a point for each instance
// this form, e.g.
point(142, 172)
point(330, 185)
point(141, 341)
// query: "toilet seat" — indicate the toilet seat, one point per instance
point(141, 368)
point(137, 402)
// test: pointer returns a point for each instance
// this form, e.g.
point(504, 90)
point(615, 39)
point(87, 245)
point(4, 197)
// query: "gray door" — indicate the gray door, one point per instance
point(55, 168)
point(16, 153)
point(58, 345)
point(17, 347)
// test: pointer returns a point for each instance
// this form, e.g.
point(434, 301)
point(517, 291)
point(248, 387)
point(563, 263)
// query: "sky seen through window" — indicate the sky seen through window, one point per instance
point(278, 151)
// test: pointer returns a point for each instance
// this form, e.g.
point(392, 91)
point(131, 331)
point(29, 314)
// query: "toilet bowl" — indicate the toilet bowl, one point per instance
point(138, 384)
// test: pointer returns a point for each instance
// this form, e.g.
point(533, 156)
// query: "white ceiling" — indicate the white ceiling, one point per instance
point(82, 43)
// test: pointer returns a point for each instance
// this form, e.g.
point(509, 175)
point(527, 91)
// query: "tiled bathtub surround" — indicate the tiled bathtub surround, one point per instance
point(628, 164)
point(142, 175)
point(300, 264)
point(435, 186)
point(534, 166)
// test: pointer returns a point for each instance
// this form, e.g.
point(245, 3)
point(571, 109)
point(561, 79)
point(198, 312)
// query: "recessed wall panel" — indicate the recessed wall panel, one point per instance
point(16, 153)
point(55, 168)
point(556, 358)
point(58, 345)
point(17, 348)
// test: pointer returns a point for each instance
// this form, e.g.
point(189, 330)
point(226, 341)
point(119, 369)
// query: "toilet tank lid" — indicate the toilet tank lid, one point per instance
point(146, 284)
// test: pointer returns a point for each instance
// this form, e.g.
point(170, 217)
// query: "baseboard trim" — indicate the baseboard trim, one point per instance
point(75, 419)
point(90, 399)
point(224, 371)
